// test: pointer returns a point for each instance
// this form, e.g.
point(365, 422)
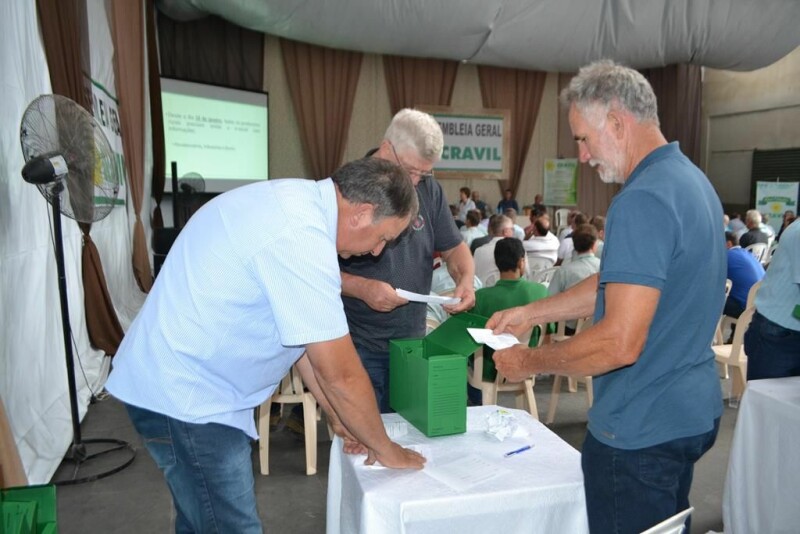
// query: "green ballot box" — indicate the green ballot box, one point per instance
point(428, 376)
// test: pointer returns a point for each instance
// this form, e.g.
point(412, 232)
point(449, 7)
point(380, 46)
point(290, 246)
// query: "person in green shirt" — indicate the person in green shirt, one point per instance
point(511, 290)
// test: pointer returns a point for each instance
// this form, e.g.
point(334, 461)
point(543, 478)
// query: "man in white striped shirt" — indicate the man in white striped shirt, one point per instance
point(251, 284)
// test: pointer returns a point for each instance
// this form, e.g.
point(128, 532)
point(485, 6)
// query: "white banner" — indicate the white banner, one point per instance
point(106, 113)
point(476, 143)
point(774, 198)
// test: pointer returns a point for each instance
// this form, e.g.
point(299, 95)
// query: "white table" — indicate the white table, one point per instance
point(539, 490)
point(764, 465)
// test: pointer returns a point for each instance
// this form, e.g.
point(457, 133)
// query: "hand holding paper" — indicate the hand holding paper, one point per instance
point(495, 341)
point(432, 299)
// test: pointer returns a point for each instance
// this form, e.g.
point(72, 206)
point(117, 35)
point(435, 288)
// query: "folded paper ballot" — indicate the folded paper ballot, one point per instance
point(497, 342)
point(432, 299)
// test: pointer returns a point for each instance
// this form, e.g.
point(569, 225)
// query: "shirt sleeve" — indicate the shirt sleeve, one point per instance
point(300, 276)
point(641, 238)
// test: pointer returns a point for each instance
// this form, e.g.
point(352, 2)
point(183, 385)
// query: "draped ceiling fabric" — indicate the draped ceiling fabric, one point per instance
point(545, 35)
point(322, 83)
point(65, 37)
point(519, 91)
point(413, 82)
point(129, 49)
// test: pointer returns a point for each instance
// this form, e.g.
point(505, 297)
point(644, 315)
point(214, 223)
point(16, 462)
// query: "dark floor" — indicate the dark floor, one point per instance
point(136, 500)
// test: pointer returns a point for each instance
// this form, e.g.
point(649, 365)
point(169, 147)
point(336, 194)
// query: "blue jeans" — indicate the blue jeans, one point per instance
point(629, 491)
point(772, 350)
point(209, 471)
point(377, 366)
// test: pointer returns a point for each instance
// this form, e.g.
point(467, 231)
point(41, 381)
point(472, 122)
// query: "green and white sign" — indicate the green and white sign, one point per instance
point(475, 144)
point(561, 182)
point(774, 198)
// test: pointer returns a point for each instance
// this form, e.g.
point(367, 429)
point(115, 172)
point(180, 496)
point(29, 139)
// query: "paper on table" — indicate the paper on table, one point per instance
point(433, 299)
point(465, 472)
point(497, 342)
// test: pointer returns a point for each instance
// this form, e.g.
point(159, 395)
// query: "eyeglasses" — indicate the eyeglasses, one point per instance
point(423, 175)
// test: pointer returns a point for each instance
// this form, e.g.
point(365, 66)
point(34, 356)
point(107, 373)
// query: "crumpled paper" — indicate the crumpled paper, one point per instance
point(501, 424)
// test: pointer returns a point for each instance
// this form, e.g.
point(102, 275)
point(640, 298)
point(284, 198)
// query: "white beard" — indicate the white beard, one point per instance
point(608, 174)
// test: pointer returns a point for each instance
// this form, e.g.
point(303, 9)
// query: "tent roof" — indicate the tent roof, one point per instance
point(548, 35)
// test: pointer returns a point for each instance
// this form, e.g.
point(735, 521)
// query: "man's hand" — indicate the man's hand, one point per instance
point(381, 296)
point(467, 296)
point(514, 363)
point(350, 444)
point(514, 320)
point(396, 457)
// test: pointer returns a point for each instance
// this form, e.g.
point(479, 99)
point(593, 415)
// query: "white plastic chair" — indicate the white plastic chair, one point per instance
point(290, 391)
point(561, 216)
point(544, 277)
point(489, 390)
point(672, 525)
point(758, 250)
point(572, 381)
point(537, 264)
point(733, 355)
point(727, 322)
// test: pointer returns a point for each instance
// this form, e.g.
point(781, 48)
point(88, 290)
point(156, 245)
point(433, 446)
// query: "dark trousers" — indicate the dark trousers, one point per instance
point(629, 491)
point(772, 350)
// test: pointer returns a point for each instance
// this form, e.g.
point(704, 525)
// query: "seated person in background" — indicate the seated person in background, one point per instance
point(490, 233)
point(465, 203)
point(484, 255)
point(766, 228)
point(754, 232)
point(599, 222)
point(471, 228)
point(736, 225)
point(582, 266)
point(567, 248)
point(454, 212)
point(484, 218)
point(510, 291)
point(565, 232)
point(519, 233)
point(772, 342)
point(788, 218)
point(538, 204)
point(507, 202)
point(479, 204)
point(744, 270)
point(539, 240)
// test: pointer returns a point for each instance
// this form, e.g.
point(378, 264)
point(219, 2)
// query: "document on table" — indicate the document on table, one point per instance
point(465, 472)
point(432, 299)
point(497, 342)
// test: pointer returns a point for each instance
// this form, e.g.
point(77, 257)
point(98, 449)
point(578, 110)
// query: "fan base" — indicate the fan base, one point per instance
point(93, 459)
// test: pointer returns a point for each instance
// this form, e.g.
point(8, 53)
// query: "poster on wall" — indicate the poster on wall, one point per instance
point(476, 143)
point(775, 198)
point(561, 182)
point(106, 113)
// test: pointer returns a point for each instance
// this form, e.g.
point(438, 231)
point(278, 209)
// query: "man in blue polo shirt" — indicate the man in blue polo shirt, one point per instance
point(656, 302)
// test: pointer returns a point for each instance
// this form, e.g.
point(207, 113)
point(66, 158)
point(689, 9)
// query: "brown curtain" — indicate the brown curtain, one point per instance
point(594, 195)
point(11, 471)
point(156, 118)
point(521, 92)
point(65, 37)
point(128, 34)
point(414, 81)
point(322, 82)
point(679, 90)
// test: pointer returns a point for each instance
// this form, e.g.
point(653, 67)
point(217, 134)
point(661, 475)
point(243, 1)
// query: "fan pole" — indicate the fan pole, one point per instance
point(78, 450)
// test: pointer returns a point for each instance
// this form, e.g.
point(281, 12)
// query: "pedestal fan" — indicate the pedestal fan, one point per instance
point(70, 161)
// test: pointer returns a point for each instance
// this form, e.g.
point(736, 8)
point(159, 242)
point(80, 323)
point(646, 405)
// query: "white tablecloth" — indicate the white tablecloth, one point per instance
point(539, 490)
point(761, 489)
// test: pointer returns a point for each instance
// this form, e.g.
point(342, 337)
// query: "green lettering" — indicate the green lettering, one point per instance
point(446, 152)
point(496, 154)
point(455, 152)
point(479, 152)
point(467, 153)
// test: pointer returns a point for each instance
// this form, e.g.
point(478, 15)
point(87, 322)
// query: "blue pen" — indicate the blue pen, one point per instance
point(517, 451)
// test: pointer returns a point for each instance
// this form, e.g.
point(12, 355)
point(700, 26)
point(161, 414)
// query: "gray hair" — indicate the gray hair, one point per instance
point(610, 84)
point(412, 129)
point(752, 217)
point(380, 183)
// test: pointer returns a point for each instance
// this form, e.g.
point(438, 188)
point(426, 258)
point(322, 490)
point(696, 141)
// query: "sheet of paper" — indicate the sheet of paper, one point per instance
point(464, 473)
point(496, 341)
point(433, 299)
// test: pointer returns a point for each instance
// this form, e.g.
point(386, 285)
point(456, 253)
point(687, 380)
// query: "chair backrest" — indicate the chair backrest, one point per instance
point(751, 295)
point(737, 353)
point(672, 525)
point(491, 279)
point(544, 277)
point(538, 263)
point(758, 250)
point(728, 286)
point(561, 217)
